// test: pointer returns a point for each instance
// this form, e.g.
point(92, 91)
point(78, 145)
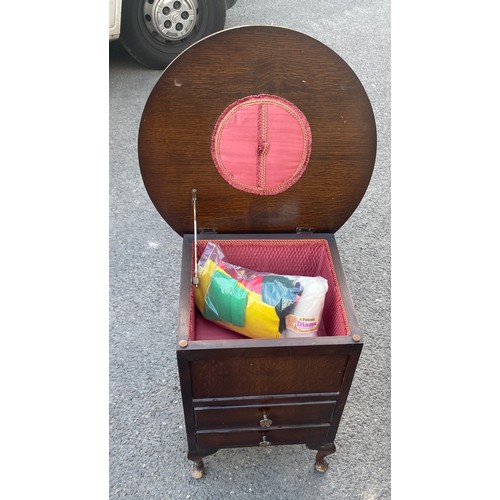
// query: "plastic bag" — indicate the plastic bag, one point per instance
point(258, 304)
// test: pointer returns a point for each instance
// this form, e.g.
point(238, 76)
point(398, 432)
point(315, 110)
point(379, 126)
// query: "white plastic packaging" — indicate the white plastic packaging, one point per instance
point(306, 316)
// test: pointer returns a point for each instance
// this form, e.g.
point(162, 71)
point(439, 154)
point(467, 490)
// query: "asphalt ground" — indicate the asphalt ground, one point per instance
point(147, 442)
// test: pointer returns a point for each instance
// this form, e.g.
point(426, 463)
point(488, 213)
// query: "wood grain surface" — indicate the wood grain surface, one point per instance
point(177, 124)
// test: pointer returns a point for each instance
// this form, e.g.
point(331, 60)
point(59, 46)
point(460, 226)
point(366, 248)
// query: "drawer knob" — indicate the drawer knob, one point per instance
point(265, 422)
point(265, 442)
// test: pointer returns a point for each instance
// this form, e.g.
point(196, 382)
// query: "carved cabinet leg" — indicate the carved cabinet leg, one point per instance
point(321, 465)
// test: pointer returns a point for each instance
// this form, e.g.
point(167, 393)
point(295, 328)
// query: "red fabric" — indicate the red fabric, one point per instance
point(261, 144)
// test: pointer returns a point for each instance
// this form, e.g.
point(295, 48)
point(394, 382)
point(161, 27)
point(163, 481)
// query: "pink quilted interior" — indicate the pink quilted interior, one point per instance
point(294, 257)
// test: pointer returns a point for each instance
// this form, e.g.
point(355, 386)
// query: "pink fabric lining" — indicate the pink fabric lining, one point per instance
point(261, 144)
point(207, 330)
point(297, 257)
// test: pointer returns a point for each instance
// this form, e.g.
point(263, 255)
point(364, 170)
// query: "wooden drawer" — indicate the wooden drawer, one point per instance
point(225, 438)
point(214, 417)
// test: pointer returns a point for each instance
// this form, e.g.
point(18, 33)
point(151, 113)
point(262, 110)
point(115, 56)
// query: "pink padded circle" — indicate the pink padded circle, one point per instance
point(261, 144)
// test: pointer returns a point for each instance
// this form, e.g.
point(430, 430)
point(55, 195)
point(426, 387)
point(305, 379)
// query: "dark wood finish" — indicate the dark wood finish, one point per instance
point(269, 399)
point(259, 392)
point(270, 371)
point(300, 385)
point(251, 415)
point(178, 119)
point(236, 438)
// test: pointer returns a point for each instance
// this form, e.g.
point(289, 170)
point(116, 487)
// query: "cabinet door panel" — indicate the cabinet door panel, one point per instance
point(276, 374)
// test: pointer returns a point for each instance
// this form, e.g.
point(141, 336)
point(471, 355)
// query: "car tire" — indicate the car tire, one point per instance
point(154, 34)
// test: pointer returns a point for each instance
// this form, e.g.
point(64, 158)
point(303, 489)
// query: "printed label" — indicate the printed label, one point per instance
point(302, 324)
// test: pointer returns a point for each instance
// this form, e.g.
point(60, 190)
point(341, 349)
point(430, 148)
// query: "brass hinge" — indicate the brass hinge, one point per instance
point(305, 230)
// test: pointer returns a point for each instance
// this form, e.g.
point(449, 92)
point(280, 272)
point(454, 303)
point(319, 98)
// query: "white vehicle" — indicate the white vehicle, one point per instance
point(154, 32)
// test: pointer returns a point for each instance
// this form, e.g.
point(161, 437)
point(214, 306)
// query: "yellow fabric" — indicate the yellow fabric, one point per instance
point(261, 320)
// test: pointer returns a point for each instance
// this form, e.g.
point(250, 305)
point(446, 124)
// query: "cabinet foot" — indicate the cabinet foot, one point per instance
point(198, 470)
point(321, 465)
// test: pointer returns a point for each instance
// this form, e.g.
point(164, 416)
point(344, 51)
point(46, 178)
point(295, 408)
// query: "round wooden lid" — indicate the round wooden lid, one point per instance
point(241, 108)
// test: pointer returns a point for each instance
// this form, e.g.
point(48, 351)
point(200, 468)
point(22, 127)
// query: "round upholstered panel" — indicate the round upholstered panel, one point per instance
point(261, 144)
point(204, 128)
